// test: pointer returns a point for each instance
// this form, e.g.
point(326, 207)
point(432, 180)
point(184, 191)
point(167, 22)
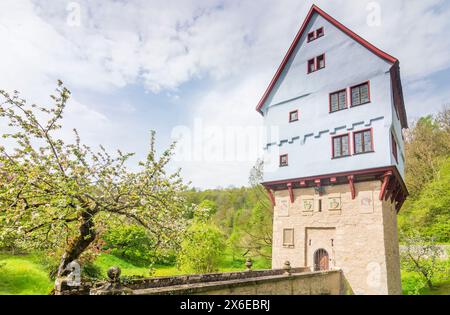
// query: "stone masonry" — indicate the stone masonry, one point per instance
point(360, 235)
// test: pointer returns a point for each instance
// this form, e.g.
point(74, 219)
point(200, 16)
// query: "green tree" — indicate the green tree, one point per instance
point(426, 142)
point(131, 243)
point(202, 248)
point(422, 256)
point(54, 194)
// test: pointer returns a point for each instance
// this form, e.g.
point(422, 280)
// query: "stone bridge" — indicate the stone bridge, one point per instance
point(286, 281)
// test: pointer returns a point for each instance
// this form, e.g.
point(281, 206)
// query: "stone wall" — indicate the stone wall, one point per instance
point(251, 283)
point(287, 281)
point(360, 235)
point(310, 283)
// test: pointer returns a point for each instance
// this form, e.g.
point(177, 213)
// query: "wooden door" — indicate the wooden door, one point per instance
point(321, 260)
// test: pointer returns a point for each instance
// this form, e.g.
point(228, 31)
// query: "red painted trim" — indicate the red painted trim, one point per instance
point(386, 179)
point(315, 9)
point(291, 192)
point(287, 160)
point(315, 35)
point(333, 179)
point(397, 93)
point(370, 171)
point(371, 141)
point(271, 196)
point(349, 146)
point(302, 183)
point(368, 92)
point(394, 147)
point(291, 112)
point(351, 183)
point(338, 92)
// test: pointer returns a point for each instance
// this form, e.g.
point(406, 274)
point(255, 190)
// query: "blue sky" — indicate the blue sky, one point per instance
point(134, 66)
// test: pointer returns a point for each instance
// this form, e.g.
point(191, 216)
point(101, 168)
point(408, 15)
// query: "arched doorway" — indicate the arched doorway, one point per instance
point(321, 260)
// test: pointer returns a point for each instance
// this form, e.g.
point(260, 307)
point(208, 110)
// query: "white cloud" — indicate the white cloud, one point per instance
point(235, 45)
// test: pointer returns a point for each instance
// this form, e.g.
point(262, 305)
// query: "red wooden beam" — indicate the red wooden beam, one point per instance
point(303, 183)
point(386, 178)
point(271, 196)
point(333, 180)
point(395, 193)
point(291, 192)
point(390, 189)
point(351, 179)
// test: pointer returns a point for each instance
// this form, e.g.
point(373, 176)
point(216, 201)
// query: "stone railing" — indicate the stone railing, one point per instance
point(279, 281)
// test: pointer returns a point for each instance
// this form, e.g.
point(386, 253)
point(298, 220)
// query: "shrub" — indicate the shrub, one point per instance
point(202, 248)
point(131, 243)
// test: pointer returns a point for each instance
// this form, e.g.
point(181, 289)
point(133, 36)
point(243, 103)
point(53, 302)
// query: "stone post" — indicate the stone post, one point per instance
point(113, 286)
point(287, 268)
point(249, 264)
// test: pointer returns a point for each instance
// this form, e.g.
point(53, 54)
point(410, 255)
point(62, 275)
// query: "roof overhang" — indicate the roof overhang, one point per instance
point(392, 184)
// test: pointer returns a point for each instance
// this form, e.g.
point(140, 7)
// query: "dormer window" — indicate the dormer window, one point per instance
point(293, 116)
point(316, 63)
point(315, 34)
point(360, 94)
point(283, 160)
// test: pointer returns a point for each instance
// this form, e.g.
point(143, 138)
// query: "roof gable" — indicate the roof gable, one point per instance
point(292, 48)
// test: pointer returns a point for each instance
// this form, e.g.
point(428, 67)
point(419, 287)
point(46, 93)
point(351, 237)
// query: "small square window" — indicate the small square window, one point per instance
point(338, 100)
point(288, 237)
point(321, 62)
point(311, 36)
point(363, 141)
point(293, 116)
point(283, 160)
point(319, 32)
point(341, 147)
point(360, 94)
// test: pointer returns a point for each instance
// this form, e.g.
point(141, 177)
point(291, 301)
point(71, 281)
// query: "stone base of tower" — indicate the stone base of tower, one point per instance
point(333, 228)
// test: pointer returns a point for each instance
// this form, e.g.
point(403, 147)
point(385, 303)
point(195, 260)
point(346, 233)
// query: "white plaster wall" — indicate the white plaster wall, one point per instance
point(308, 141)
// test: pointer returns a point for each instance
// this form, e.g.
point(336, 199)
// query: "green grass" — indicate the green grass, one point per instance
point(27, 275)
point(22, 275)
point(410, 280)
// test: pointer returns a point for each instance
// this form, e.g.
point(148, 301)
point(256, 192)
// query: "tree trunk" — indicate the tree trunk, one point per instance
point(78, 245)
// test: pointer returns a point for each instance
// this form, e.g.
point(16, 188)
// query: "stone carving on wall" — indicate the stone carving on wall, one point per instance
point(334, 203)
point(283, 207)
point(308, 205)
point(366, 202)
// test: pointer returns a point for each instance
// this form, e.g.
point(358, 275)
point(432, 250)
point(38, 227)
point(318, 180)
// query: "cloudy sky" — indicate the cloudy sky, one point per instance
point(197, 68)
